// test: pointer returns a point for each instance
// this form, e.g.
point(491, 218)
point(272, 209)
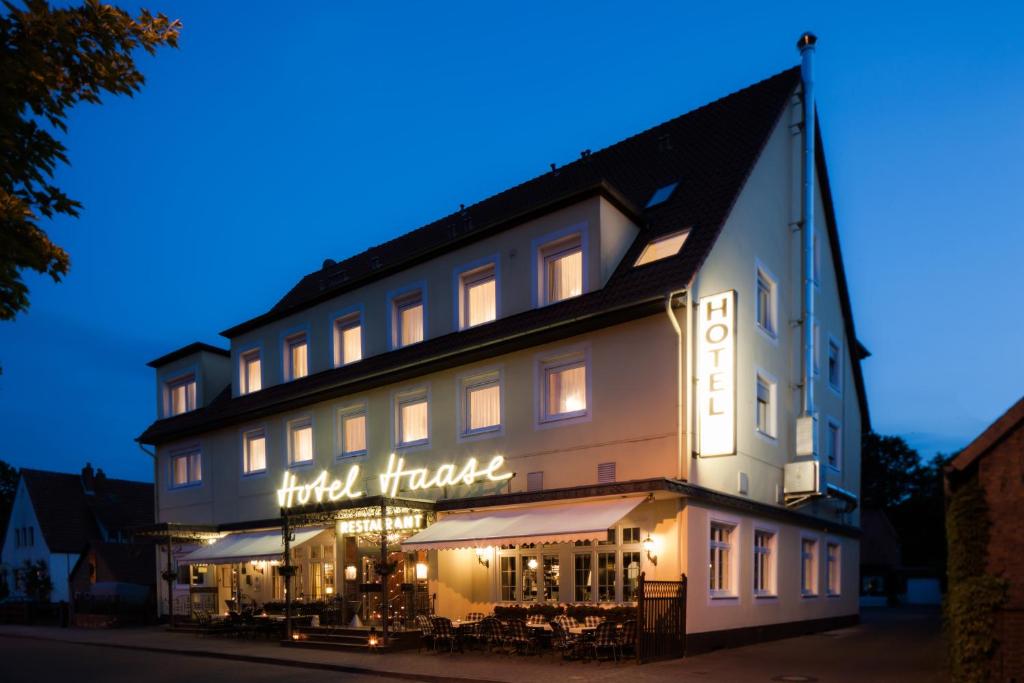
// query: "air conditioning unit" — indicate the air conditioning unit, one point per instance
point(802, 479)
point(807, 436)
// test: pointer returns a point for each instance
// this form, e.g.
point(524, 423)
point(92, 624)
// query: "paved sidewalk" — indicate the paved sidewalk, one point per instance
point(902, 646)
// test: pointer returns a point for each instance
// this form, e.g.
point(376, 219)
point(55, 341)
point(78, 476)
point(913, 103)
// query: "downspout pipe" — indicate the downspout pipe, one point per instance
point(679, 379)
point(806, 47)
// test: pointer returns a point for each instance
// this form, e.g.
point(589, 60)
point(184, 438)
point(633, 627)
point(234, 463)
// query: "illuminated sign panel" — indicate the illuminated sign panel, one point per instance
point(716, 365)
point(396, 478)
point(366, 525)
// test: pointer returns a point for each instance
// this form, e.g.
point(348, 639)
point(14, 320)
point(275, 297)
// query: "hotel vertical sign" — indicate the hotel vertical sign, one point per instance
point(716, 365)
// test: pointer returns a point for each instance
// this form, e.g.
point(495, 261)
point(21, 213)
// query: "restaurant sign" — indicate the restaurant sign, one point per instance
point(396, 478)
point(716, 365)
point(367, 525)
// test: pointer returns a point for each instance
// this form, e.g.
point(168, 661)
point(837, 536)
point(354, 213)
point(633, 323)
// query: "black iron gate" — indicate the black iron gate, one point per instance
point(661, 619)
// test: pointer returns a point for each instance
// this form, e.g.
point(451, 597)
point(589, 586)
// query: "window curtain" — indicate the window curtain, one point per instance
point(567, 390)
point(484, 407)
point(411, 324)
point(480, 302)
point(302, 444)
point(257, 453)
point(565, 276)
point(299, 367)
point(253, 377)
point(414, 422)
point(352, 344)
point(181, 470)
point(355, 433)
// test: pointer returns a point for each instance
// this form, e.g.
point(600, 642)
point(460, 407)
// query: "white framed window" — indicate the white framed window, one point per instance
point(407, 319)
point(348, 339)
point(180, 394)
point(765, 392)
point(250, 372)
point(834, 443)
point(565, 390)
point(766, 301)
point(833, 568)
point(254, 451)
point(352, 431)
point(562, 269)
point(835, 365)
point(509, 577)
point(300, 441)
point(808, 567)
point(478, 296)
point(720, 562)
point(662, 247)
point(296, 356)
point(481, 404)
point(186, 468)
point(412, 418)
point(535, 481)
point(764, 563)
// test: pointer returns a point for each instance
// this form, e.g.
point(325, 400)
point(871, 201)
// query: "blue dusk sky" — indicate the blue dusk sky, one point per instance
point(272, 140)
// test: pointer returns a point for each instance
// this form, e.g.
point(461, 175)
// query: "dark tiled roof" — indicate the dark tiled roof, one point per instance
point(1012, 419)
point(187, 351)
point(133, 563)
point(710, 152)
point(70, 518)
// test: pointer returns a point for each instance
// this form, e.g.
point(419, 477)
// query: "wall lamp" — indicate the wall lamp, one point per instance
point(350, 572)
point(483, 556)
point(650, 547)
point(421, 571)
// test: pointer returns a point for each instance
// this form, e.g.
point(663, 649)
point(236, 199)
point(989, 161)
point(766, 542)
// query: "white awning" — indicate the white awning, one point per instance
point(258, 545)
point(562, 523)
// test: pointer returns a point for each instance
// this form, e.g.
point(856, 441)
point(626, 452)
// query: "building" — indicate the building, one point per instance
point(56, 515)
point(596, 375)
point(995, 461)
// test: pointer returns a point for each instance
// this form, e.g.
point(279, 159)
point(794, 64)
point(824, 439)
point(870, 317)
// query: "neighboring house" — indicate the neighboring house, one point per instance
point(124, 570)
point(881, 560)
point(600, 373)
point(995, 460)
point(55, 515)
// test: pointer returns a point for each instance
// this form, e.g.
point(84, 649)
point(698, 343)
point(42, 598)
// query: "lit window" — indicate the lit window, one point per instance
point(764, 411)
point(565, 389)
point(630, 574)
point(348, 340)
point(251, 372)
point(408, 319)
point(482, 404)
point(765, 302)
point(720, 561)
point(808, 566)
point(833, 568)
point(834, 444)
point(352, 424)
point(180, 394)
point(764, 562)
point(563, 270)
point(186, 468)
point(300, 441)
point(551, 571)
point(295, 351)
point(530, 585)
point(583, 578)
point(254, 455)
point(413, 419)
point(834, 365)
point(508, 578)
point(478, 297)
point(662, 247)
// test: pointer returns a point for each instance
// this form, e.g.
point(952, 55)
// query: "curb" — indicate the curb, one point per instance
point(258, 659)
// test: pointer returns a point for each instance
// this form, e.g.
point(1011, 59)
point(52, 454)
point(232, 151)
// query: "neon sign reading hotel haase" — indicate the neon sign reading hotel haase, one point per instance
point(717, 367)
point(416, 479)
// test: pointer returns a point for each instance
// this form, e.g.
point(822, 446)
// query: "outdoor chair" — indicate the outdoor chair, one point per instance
point(426, 631)
point(490, 633)
point(565, 621)
point(444, 634)
point(475, 616)
point(605, 638)
point(627, 638)
point(517, 637)
point(563, 642)
point(536, 620)
point(592, 621)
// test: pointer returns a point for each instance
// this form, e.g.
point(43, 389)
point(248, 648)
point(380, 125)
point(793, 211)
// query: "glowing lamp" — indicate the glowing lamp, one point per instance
point(421, 571)
point(329, 590)
point(532, 564)
point(650, 547)
point(350, 573)
point(483, 556)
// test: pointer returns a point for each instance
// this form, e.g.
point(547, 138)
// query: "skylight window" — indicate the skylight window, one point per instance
point(661, 195)
point(662, 247)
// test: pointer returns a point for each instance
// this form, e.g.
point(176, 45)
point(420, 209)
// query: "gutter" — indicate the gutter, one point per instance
point(680, 473)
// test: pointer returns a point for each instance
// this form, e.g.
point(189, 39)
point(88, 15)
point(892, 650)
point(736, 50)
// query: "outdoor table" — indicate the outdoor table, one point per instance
point(581, 630)
point(539, 627)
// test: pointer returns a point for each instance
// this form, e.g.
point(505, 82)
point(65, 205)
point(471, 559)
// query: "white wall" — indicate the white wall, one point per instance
point(13, 557)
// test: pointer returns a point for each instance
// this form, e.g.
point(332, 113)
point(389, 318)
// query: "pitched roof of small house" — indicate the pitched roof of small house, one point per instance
point(1010, 420)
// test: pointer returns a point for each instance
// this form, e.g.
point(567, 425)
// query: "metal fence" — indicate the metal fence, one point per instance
point(661, 619)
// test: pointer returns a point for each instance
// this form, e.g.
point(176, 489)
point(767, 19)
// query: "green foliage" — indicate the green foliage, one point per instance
point(578, 612)
point(8, 487)
point(891, 471)
point(37, 582)
point(973, 596)
point(52, 59)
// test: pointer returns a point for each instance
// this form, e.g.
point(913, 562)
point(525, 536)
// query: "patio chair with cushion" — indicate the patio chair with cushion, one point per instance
point(563, 642)
point(536, 620)
point(627, 638)
point(592, 621)
point(489, 633)
point(605, 638)
point(444, 634)
point(517, 637)
point(426, 630)
point(475, 616)
point(565, 621)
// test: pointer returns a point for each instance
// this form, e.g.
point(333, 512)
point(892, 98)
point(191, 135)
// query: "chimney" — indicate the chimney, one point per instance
point(88, 478)
point(101, 479)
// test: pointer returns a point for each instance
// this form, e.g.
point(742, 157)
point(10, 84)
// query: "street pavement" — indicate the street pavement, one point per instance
point(901, 645)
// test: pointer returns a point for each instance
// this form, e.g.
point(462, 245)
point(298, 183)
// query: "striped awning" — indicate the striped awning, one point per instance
point(561, 523)
point(243, 547)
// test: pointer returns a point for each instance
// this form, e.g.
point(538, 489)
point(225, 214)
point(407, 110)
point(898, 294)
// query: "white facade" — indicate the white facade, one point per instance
point(24, 542)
